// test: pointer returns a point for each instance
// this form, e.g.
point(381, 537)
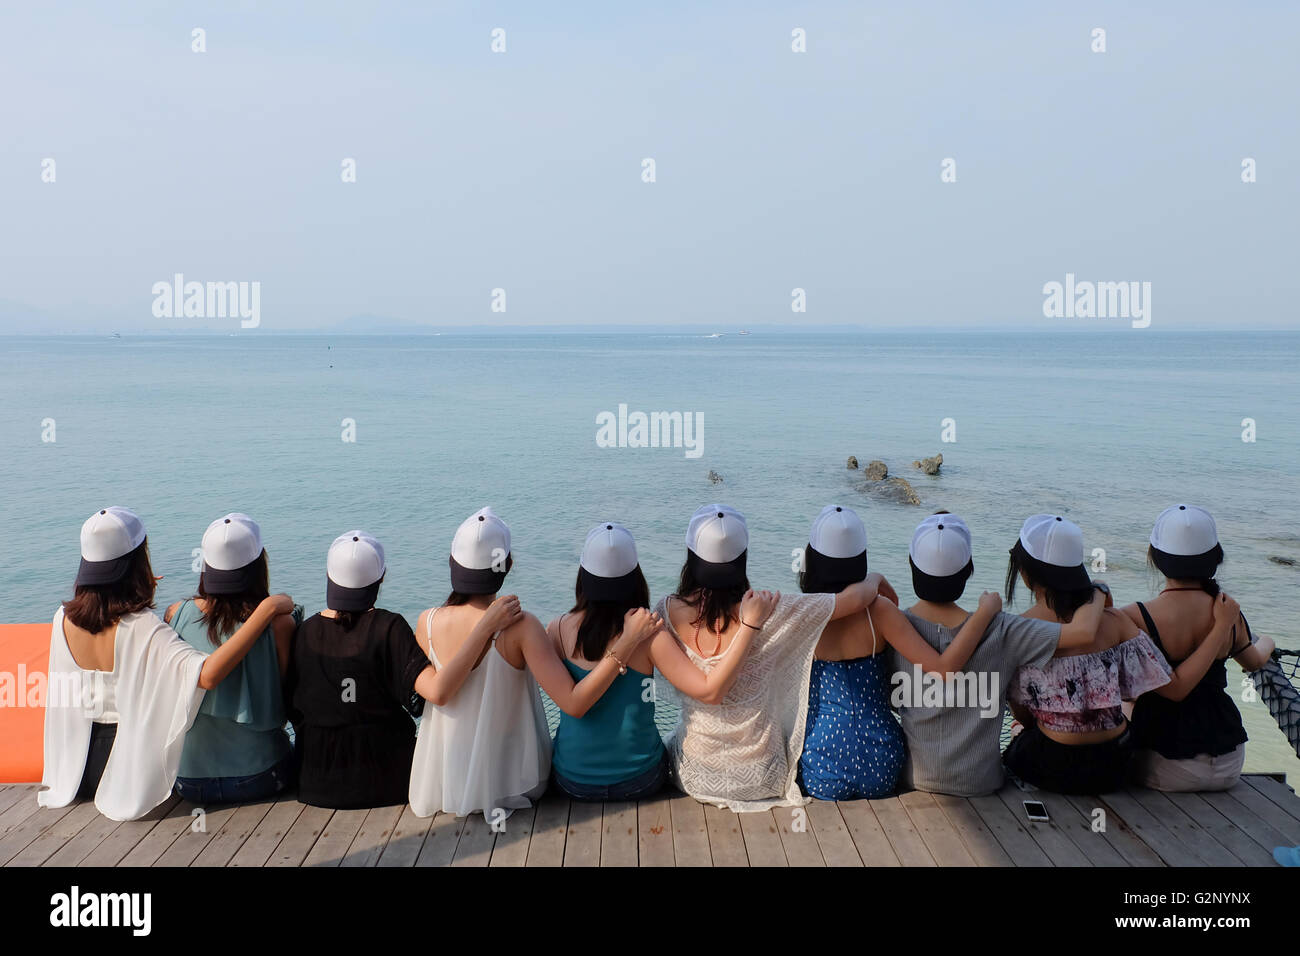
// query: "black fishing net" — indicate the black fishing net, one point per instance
point(1276, 683)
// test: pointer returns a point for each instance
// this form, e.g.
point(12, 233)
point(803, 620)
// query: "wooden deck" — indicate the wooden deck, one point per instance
point(1238, 827)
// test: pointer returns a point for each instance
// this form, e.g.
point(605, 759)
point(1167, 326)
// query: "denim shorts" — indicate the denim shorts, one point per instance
point(210, 790)
point(635, 788)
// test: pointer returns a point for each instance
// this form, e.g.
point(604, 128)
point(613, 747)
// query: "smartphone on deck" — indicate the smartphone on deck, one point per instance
point(1036, 811)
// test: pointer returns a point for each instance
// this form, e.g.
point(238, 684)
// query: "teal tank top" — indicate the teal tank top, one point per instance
point(616, 740)
point(239, 730)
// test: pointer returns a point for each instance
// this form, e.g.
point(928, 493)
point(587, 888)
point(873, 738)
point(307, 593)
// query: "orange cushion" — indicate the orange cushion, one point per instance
point(24, 652)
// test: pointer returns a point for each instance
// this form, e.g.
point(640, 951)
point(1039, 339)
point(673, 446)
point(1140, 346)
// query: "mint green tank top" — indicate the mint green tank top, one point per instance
point(616, 740)
point(239, 730)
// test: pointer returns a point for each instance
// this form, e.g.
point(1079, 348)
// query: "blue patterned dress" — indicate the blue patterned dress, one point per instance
point(853, 746)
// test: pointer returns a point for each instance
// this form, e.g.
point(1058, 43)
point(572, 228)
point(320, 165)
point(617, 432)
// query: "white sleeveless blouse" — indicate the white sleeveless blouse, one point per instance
point(486, 751)
point(743, 753)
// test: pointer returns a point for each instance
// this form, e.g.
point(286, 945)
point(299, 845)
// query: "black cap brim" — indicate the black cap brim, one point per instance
point(718, 574)
point(835, 571)
point(474, 580)
point(217, 581)
point(597, 588)
point(940, 588)
point(95, 573)
point(339, 598)
point(1188, 566)
point(1063, 579)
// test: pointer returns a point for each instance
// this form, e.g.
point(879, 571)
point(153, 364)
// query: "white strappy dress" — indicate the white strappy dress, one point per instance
point(486, 751)
point(743, 753)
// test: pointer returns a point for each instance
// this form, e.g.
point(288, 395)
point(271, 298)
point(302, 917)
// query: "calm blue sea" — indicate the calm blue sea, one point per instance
point(1108, 427)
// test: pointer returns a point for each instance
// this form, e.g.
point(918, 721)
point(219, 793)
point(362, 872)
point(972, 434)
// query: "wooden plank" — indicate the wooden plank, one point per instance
point(75, 850)
point(225, 843)
point(476, 841)
point(692, 840)
point(979, 840)
point(53, 837)
point(17, 815)
point(268, 833)
point(124, 837)
point(1276, 791)
point(901, 832)
point(945, 846)
point(797, 838)
point(618, 839)
point(833, 838)
point(582, 839)
point(155, 843)
point(1183, 827)
point(550, 827)
point(726, 838)
point(654, 826)
point(1006, 828)
point(1150, 830)
point(1268, 811)
point(1058, 847)
point(376, 828)
point(301, 837)
point(1223, 831)
point(511, 848)
point(439, 847)
point(1077, 828)
point(762, 839)
point(14, 794)
point(1117, 833)
point(406, 841)
point(868, 835)
point(1260, 832)
point(336, 836)
point(186, 848)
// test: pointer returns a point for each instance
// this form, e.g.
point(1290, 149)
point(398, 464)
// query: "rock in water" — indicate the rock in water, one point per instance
point(929, 465)
point(876, 470)
point(1285, 562)
point(900, 490)
point(714, 477)
point(852, 462)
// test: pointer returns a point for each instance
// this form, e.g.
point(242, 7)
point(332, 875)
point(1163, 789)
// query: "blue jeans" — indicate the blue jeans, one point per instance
point(635, 788)
point(209, 790)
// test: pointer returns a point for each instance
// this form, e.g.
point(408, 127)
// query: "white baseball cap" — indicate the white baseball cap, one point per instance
point(1056, 542)
point(609, 567)
point(1185, 542)
point(108, 537)
point(837, 548)
point(354, 568)
point(940, 546)
point(717, 540)
point(230, 547)
point(479, 550)
point(1184, 530)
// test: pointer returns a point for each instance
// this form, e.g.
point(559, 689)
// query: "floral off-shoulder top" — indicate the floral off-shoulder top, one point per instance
point(1082, 693)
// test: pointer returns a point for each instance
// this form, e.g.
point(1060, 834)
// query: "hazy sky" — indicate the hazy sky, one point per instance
point(775, 169)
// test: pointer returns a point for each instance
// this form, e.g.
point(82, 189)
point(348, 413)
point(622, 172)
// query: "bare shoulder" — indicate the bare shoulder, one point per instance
point(171, 611)
point(283, 625)
point(1117, 627)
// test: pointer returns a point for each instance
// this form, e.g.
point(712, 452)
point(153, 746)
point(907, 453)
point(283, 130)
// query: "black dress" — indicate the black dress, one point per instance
point(351, 698)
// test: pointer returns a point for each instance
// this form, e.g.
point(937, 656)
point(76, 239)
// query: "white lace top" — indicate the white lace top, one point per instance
point(743, 753)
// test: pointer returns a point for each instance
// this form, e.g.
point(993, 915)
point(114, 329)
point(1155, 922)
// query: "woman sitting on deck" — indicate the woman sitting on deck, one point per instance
point(614, 752)
point(484, 746)
point(1189, 733)
point(1076, 739)
point(237, 749)
point(853, 748)
point(123, 686)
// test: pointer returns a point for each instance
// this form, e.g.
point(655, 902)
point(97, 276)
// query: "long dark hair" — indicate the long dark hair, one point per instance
point(711, 605)
point(457, 598)
point(226, 612)
point(95, 607)
point(1167, 565)
point(1062, 601)
point(602, 621)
